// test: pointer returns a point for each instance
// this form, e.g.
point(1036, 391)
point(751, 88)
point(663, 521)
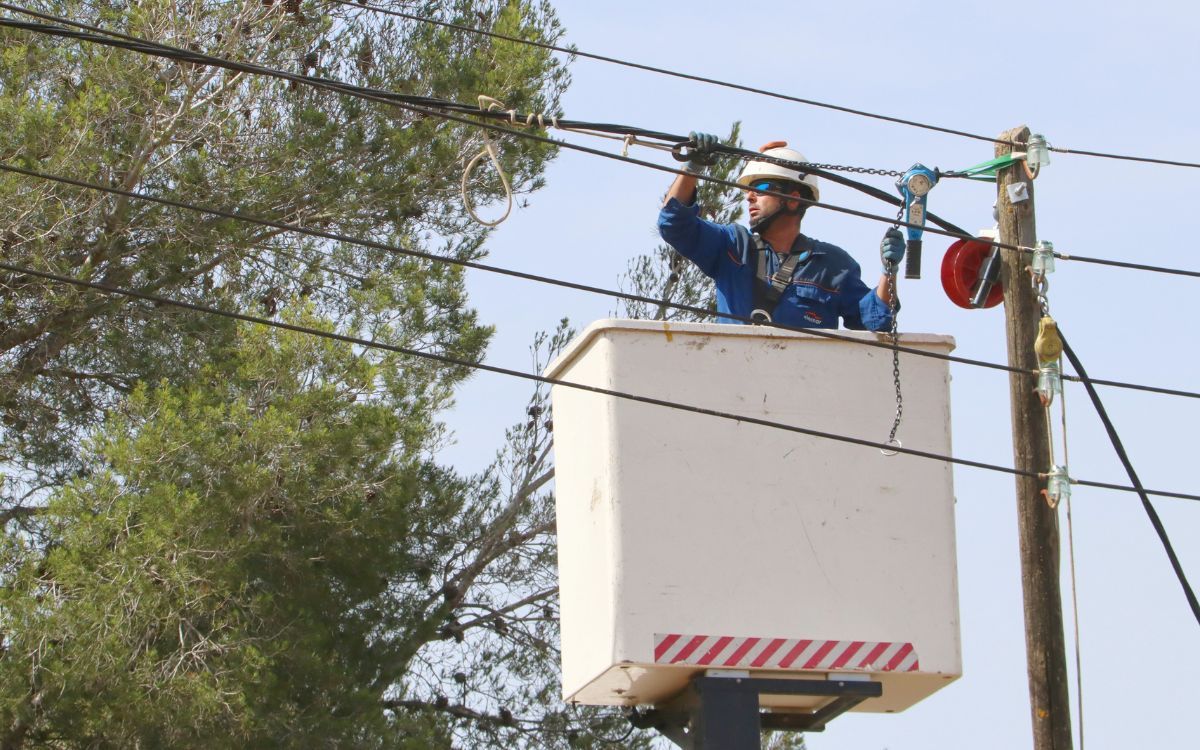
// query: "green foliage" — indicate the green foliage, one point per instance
point(216, 536)
point(664, 274)
point(259, 145)
point(224, 572)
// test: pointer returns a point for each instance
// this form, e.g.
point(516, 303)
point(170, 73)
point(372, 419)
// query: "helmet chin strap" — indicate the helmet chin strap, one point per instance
point(763, 223)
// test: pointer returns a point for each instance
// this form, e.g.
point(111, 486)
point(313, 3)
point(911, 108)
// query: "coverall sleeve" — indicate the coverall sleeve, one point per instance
point(862, 308)
point(702, 242)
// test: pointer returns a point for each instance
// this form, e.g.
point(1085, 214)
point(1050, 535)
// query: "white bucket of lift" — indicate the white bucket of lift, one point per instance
point(690, 542)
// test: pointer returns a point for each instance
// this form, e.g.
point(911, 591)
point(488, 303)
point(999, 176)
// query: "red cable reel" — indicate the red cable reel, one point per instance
point(961, 274)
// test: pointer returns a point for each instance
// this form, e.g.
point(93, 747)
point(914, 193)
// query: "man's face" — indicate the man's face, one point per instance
point(761, 204)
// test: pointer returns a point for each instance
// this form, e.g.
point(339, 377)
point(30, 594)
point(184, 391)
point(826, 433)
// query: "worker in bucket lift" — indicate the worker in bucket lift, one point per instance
point(772, 272)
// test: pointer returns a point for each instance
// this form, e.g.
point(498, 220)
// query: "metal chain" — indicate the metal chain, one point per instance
point(1039, 268)
point(1041, 287)
point(895, 361)
point(895, 335)
point(894, 304)
point(828, 167)
point(855, 170)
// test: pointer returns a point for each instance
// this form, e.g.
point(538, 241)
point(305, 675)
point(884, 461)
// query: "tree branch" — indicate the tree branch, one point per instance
point(498, 613)
point(20, 511)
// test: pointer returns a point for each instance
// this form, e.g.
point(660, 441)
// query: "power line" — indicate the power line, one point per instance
point(475, 265)
point(446, 360)
point(165, 50)
point(1126, 264)
point(151, 48)
point(741, 87)
point(662, 71)
point(1155, 521)
point(1146, 159)
point(442, 108)
point(435, 107)
point(1131, 386)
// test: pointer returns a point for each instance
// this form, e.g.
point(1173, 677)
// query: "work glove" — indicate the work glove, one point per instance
point(891, 250)
point(702, 152)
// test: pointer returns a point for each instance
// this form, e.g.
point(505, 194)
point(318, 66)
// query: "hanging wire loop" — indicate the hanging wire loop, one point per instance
point(490, 151)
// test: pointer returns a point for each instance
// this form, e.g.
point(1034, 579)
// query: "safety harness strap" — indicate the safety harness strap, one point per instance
point(768, 288)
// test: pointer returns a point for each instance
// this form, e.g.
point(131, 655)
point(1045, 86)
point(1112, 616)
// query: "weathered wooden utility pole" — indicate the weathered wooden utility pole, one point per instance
point(1044, 642)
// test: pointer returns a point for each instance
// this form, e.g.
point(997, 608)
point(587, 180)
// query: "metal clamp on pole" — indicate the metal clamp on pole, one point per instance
point(989, 274)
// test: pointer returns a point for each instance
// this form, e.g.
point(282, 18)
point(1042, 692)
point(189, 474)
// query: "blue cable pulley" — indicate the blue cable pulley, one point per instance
point(914, 186)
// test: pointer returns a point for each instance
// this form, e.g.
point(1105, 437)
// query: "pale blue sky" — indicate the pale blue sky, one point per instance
point(1094, 76)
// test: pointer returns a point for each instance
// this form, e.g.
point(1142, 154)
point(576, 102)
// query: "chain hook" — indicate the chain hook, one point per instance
point(1040, 268)
point(892, 442)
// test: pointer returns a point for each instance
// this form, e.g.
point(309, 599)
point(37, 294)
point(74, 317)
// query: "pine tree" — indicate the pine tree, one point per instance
point(217, 535)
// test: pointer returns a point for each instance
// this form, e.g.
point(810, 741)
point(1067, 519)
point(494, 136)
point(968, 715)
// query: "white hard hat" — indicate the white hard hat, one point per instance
point(763, 170)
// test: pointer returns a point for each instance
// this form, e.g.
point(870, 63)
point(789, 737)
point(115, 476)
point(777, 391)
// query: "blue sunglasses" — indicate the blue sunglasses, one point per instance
point(776, 187)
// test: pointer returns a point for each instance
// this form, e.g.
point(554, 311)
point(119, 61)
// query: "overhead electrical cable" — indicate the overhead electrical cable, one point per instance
point(472, 116)
point(1155, 521)
point(474, 265)
point(477, 266)
point(166, 50)
point(430, 106)
point(443, 108)
point(1105, 485)
point(438, 108)
point(1126, 264)
point(1121, 157)
point(653, 69)
point(740, 87)
point(447, 360)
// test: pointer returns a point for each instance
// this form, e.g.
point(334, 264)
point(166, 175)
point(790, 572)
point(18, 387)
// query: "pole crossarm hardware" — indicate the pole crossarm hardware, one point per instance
point(987, 170)
point(721, 711)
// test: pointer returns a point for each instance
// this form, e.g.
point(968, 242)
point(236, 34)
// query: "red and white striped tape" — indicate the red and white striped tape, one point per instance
point(784, 653)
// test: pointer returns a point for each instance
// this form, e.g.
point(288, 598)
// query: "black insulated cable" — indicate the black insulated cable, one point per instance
point(443, 109)
point(452, 361)
point(652, 69)
point(739, 87)
point(176, 53)
point(477, 266)
point(1155, 521)
point(167, 51)
point(1120, 157)
point(1126, 264)
point(439, 108)
point(150, 47)
point(474, 265)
